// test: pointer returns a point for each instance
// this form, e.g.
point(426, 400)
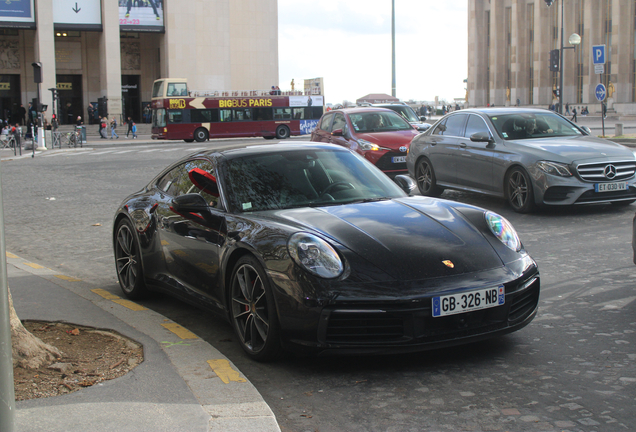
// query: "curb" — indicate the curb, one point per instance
point(226, 396)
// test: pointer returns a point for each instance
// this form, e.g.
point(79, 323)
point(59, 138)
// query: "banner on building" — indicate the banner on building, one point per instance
point(141, 16)
point(77, 15)
point(17, 14)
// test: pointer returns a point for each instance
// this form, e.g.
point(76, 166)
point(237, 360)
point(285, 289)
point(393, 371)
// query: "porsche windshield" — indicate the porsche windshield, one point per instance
point(533, 125)
point(302, 178)
point(378, 121)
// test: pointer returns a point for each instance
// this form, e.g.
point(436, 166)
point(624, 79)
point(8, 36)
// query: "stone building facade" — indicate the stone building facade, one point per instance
point(100, 48)
point(509, 44)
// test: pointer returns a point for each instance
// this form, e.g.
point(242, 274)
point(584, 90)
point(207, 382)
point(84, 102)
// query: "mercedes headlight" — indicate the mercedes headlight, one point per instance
point(503, 230)
point(367, 145)
point(315, 255)
point(554, 168)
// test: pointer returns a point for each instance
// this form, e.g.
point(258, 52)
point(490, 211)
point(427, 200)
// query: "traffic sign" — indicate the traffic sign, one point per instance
point(600, 92)
point(599, 68)
point(598, 54)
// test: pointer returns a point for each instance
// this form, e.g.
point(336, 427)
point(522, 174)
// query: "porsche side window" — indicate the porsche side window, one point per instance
point(178, 182)
point(205, 190)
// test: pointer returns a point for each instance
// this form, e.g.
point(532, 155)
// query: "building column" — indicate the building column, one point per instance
point(497, 53)
point(519, 46)
point(622, 54)
point(110, 58)
point(44, 52)
point(477, 61)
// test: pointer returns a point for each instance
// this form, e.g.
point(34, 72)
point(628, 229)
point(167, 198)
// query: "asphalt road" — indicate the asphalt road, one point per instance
point(571, 369)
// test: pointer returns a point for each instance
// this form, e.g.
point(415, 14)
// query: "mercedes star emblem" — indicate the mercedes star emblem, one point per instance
point(610, 171)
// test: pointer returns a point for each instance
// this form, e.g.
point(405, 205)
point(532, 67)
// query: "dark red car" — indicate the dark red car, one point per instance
point(379, 134)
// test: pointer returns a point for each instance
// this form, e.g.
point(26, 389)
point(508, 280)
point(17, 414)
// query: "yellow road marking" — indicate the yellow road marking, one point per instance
point(130, 305)
point(105, 294)
point(164, 243)
point(224, 371)
point(35, 266)
point(180, 331)
point(10, 255)
point(68, 278)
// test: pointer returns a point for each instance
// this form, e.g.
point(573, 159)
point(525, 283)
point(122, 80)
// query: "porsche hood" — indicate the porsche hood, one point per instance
point(406, 238)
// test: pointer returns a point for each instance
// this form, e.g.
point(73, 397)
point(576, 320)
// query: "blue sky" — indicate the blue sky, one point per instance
point(348, 43)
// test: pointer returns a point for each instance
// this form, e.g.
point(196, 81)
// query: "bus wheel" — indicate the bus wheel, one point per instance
point(200, 135)
point(188, 140)
point(282, 132)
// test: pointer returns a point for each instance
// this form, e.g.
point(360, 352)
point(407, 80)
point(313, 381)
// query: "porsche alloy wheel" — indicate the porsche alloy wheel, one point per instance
point(128, 261)
point(425, 177)
point(253, 312)
point(519, 191)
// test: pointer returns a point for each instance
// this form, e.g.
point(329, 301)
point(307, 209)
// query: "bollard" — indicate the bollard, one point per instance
point(619, 129)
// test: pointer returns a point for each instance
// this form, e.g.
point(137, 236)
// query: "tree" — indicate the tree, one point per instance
point(28, 351)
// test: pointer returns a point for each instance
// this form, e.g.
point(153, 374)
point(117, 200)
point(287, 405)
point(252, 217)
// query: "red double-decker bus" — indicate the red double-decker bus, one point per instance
point(178, 113)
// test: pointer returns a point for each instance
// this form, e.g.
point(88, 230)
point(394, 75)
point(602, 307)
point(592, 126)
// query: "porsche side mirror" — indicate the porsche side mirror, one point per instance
point(481, 137)
point(189, 203)
point(406, 183)
point(337, 132)
point(586, 129)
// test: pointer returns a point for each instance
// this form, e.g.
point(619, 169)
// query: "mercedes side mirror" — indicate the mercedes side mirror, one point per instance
point(481, 137)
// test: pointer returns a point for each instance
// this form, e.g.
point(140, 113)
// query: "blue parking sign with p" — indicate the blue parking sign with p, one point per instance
point(598, 54)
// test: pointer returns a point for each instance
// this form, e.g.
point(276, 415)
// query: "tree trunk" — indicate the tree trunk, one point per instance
point(28, 351)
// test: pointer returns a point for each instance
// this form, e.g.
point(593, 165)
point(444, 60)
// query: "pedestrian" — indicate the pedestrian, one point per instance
point(567, 109)
point(574, 114)
point(604, 110)
point(22, 114)
point(130, 124)
point(113, 126)
point(134, 130)
point(103, 125)
point(79, 121)
point(91, 113)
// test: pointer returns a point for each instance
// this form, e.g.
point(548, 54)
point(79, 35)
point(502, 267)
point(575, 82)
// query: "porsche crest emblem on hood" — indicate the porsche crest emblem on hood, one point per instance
point(449, 263)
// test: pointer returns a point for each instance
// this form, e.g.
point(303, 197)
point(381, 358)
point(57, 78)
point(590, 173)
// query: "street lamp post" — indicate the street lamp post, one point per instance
point(575, 39)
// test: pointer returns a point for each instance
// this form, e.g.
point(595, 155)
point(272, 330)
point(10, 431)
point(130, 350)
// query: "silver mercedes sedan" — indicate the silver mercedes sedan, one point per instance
point(530, 157)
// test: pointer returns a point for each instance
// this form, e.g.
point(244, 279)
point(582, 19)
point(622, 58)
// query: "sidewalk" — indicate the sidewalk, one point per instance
point(182, 384)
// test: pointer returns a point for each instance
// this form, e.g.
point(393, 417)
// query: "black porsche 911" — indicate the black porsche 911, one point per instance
point(309, 247)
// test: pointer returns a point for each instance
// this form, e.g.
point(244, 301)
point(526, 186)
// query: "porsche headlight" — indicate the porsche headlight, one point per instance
point(503, 230)
point(141, 219)
point(554, 168)
point(368, 145)
point(315, 255)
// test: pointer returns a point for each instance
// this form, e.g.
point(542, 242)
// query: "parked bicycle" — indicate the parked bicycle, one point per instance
point(73, 139)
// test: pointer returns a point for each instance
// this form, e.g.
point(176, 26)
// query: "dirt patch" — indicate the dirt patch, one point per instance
point(89, 356)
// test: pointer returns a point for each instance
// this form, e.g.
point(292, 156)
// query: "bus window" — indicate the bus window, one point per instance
point(159, 118)
point(242, 114)
point(225, 115)
point(157, 89)
point(316, 112)
point(174, 116)
point(300, 113)
point(204, 116)
point(177, 89)
point(282, 113)
point(263, 114)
